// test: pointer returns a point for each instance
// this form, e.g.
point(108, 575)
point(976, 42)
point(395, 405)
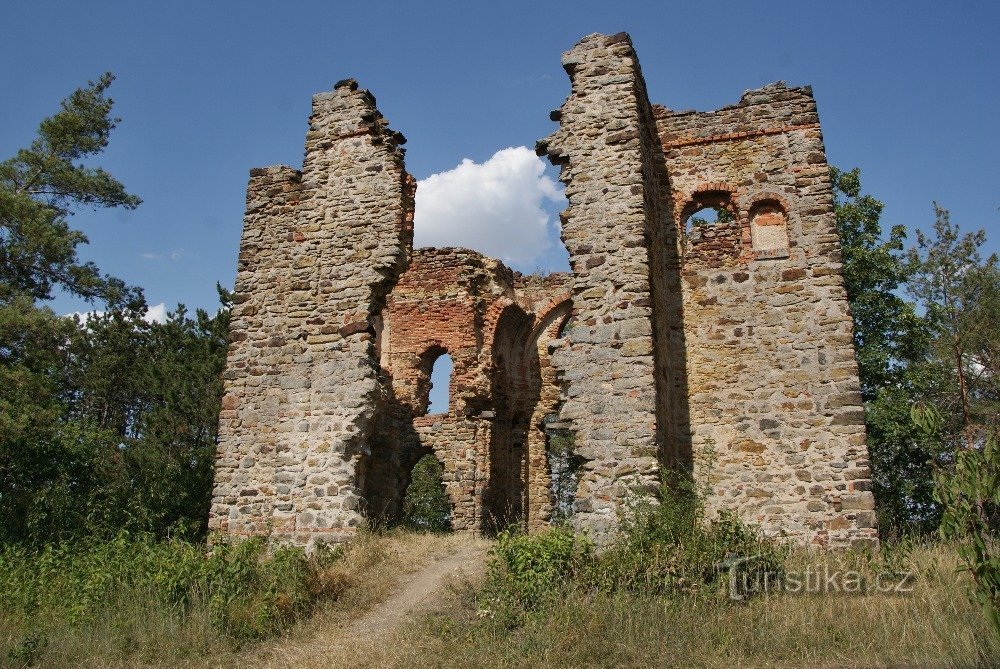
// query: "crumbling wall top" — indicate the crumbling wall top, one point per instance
point(772, 109)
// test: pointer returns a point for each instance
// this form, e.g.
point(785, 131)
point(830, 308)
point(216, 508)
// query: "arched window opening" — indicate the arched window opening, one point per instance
point(699, 221)
point(440, 385)
point(710, 230)
point(426, 506)
point(769, 230)
point(564, 328)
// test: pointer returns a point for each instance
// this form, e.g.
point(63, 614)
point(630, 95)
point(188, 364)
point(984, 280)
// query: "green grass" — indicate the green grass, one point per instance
point(137, 597)
point(550, 601)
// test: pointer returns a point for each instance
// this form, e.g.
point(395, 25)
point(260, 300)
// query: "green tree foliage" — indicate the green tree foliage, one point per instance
point(929, 377)
point(426, 505)
point(958, 290)
point(892, 342)
point(39, 188)
point(888, 333)
point(122, 434)
point(106, 423)
point(564, 469)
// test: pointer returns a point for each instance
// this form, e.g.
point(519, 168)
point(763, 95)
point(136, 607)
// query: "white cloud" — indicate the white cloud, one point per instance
point(176, 254)
point(154, 314)
point(496, 207)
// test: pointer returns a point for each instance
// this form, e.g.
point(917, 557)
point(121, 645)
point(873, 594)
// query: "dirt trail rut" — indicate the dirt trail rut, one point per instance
point(421, 590)
point(334, 642)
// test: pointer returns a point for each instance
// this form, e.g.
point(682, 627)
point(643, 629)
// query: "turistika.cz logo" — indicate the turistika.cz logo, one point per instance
point(748, 577)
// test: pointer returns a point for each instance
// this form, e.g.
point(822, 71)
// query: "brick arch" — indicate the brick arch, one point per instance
point(549, 312)
point(538, 503)
point(756, 197)
point(704, 195)
point(491, 321)
point(716, 245)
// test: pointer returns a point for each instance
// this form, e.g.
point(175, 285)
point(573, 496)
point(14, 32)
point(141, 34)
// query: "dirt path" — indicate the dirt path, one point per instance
point(422, 590)
point(334, 642)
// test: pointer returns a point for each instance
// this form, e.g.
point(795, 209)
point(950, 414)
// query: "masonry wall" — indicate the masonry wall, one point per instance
point(320, 251)
point(774, 396)
point(722, 348)
point(607, 362)
point(446, 303)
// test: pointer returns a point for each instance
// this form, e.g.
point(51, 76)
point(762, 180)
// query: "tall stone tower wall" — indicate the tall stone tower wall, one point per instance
point(774, 397)
point(614, 184)
point(321, 249)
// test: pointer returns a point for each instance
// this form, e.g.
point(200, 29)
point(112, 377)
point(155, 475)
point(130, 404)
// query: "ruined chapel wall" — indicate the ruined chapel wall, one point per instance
point(346, 240)
point(440, 305)
point(606, 360)
point(256, 383)
point(773, 388)
point(450, 300)
point(729, 345)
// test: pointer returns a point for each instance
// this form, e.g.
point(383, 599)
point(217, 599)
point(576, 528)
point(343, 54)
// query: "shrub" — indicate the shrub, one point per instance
point(665, 545)
point(526, 570)
point(243, 592)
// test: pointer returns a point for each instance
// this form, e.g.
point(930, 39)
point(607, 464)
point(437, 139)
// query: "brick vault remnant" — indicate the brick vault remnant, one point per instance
point(720, 344)
point(321, 249)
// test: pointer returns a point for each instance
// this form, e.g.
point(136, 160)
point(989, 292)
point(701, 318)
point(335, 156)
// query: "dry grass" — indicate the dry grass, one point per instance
point(335, 638)
point(139, 633)
point(934, 626)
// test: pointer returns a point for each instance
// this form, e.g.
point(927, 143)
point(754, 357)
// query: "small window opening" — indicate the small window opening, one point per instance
point(564, 473)
point(704, 218)
point(440, 390)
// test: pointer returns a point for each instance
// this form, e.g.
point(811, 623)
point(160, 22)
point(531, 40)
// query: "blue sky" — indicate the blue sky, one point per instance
point(908, 91)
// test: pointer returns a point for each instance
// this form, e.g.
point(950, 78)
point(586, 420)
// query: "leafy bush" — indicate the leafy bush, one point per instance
point(526, 570)
point(426, 505)
point(245, 593)
point(969, 494)
point(666, 545)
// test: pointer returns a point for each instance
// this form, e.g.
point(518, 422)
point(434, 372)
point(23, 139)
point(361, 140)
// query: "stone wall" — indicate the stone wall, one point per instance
point(321, 248)
point(608, 363)
point(774, 397)
point(724, 348)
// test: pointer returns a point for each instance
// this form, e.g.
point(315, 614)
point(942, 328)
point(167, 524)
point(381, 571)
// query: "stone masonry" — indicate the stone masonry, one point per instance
point(675, 343)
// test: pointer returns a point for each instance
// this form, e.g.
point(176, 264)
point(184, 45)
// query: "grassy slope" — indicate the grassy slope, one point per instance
point(133, 628)
point(934, 626)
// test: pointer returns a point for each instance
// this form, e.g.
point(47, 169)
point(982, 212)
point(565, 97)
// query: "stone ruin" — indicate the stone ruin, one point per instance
point(725, 348)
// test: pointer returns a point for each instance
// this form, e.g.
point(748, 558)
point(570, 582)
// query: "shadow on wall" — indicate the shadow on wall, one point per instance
point(515, 388)
point(666, 244)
